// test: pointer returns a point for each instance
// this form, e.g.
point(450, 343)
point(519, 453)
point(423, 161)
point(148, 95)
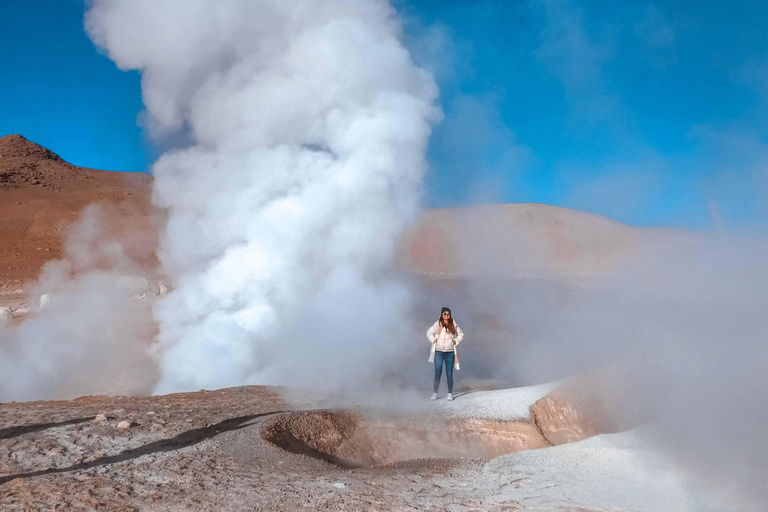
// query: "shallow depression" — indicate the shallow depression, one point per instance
point(352, 440)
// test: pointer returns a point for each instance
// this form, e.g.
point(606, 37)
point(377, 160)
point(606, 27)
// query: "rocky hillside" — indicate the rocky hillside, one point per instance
point(41, 195)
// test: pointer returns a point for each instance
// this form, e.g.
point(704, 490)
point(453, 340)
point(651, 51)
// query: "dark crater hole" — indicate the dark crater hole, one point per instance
point(351, 440)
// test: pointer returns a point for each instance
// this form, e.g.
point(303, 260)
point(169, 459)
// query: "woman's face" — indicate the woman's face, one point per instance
point(446, 316)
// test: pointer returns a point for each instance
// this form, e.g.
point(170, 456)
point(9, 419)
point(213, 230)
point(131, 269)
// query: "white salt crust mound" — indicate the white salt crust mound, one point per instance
point(617, 472)
point(503, 404)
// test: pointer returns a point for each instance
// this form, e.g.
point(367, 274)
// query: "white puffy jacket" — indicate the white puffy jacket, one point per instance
point(444, 339)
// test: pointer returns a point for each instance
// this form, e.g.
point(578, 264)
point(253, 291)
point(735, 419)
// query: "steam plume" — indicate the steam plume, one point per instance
point(677, 331)
point(307, 124)
point(91, 335)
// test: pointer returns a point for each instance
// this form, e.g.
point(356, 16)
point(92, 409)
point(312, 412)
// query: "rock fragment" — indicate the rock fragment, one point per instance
point(123, 425)
point(559, 421)
point(45, 300)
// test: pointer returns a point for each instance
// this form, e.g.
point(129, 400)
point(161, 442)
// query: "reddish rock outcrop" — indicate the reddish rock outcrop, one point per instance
point(584, 406)
point(559, 421)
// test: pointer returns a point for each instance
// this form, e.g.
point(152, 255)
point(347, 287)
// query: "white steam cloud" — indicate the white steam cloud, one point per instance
point(676, 330)
point(90, 333)
point(308, 124)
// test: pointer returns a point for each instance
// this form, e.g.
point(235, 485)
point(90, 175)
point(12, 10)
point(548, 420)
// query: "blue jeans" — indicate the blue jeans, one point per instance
point(446, 357)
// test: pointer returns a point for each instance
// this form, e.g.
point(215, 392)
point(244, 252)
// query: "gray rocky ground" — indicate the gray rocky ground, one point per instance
point(207, 451)
point(256, 448)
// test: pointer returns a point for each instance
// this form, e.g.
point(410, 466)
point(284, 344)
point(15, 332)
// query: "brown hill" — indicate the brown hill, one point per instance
point(41, 195)
point(525, 241)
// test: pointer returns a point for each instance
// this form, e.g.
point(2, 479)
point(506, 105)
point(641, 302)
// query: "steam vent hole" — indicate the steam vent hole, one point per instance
point(351, 441)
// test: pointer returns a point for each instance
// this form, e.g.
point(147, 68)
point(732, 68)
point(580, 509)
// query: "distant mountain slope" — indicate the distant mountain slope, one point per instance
point(41, 195)
point(524, 241)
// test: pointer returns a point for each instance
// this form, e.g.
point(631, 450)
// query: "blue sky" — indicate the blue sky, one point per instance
point(58, 91)
point(652, 113)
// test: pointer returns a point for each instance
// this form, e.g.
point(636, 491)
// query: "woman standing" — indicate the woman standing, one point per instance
point(444, 336)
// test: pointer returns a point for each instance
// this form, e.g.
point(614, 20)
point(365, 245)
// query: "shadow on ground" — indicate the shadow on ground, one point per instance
point(183, 440)
point(7, 433)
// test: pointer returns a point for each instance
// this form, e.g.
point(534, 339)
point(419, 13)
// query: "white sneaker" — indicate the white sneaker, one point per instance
point(433, 397)
point(450, 396)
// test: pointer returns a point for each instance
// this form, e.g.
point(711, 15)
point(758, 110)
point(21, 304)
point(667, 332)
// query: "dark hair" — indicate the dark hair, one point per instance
point(449, 325)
